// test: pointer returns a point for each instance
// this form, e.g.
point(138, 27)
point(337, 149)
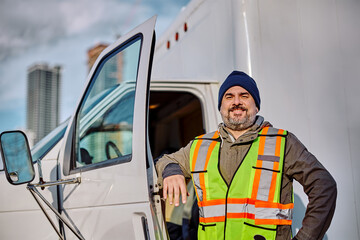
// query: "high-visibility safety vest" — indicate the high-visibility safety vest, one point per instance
point(249, 206)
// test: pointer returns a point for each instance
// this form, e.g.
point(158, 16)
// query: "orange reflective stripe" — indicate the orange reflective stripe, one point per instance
point(216, 135)
point(257, 175)
point(202, 184)
point(195, 155)
point(256, 179)
point(241, 215)
point(276, 166)
point(201, 136)
point(208, 155)
point(211, 148)
point(272, 222)
point(211, 202)
point(229, 201)
point(262, 140)
point(278, 143)
point(240, 201)
point(273, 182)
point(196, 152)
point(212, 219)
point(259, 163)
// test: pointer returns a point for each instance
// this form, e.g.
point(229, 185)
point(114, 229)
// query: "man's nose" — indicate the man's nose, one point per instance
point(237, 100)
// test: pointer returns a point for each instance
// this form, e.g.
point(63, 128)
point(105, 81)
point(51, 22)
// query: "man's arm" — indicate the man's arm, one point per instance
point(172, 170)
point(318, 184)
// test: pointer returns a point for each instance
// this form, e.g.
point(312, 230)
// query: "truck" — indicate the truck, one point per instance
point(94, 177)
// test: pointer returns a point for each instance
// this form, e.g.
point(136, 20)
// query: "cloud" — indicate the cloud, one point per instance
point(32, 23)
point(60, 32)
point(27, 24)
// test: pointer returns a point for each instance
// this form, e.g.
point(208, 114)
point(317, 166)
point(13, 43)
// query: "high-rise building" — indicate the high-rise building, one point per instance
point(43, 99)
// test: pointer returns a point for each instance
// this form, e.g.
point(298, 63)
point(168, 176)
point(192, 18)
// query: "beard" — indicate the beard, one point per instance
point(235, 123)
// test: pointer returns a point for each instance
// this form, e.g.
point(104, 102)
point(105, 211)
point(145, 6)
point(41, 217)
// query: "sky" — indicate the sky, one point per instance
point(59, 32)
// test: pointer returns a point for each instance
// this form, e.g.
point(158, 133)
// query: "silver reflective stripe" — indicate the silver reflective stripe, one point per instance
point(201, 157)
point(272, 131)
point(268, 165)
point(273, 213)
point(260, 213)
point(196, 180)
point(270, 144)
point(264, 184)
point(200, 162)
point(213, 211)
point(208, 135)
point(241, 208)
point(266, 175)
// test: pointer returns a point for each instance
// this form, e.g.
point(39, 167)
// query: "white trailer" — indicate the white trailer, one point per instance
point(98, 167)
point(305, 58)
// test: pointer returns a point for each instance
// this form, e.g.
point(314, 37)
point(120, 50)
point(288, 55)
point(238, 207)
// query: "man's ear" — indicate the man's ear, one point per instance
point(257, 110)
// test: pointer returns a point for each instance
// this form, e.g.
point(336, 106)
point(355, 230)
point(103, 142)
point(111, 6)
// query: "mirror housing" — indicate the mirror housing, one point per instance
point(16, 157)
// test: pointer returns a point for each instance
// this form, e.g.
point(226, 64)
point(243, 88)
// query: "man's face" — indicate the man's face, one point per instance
point(238, 109)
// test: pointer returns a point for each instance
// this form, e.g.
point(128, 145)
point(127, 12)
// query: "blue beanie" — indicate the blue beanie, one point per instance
point(237, 78)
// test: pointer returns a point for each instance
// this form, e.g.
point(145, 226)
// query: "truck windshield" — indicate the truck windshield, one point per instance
point(49, 141)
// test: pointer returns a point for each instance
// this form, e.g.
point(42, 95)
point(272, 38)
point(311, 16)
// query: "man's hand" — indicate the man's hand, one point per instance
point(174, 186)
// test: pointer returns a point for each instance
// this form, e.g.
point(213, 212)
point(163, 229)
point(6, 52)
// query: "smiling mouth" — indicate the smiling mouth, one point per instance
point(236, 109)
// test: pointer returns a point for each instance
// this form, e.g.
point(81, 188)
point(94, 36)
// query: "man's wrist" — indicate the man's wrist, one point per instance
point(172, 169)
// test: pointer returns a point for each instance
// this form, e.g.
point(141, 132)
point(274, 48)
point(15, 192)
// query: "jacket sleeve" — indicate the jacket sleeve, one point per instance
point(169, 164)
point(318, 184)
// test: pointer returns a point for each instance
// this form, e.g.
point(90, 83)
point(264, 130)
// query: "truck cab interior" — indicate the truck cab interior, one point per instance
point(175, 118)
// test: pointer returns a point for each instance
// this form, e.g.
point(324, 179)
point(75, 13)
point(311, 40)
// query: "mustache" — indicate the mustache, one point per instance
point(238, 107)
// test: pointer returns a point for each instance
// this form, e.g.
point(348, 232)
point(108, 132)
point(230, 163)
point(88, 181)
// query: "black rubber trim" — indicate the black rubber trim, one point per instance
point(268, 169)
point(203, 226)
point(203, 171)
point(265, 228)
point(272, 135)
point(211, 139)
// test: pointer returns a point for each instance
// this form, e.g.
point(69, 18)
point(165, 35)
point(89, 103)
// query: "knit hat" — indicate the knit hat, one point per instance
point(237, 78)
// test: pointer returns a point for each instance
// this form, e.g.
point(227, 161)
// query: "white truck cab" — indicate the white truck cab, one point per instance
point(97, 168)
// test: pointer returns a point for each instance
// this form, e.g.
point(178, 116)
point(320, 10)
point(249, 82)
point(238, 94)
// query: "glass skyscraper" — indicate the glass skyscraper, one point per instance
point(43, 99)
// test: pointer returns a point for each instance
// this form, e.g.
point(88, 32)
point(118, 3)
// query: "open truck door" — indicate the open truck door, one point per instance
point(105, 144)
point(105, 184)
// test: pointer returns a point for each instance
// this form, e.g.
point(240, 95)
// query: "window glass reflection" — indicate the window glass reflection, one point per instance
point(105, 120)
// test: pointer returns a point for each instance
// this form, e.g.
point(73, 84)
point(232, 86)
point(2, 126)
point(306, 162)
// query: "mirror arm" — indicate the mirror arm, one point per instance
point(35, 193)
point(55, 183)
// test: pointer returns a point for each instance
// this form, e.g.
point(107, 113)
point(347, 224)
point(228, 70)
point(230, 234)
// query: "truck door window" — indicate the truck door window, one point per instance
point(105, 118)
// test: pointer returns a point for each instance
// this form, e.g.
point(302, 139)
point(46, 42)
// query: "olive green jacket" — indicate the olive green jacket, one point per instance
point(299, 164)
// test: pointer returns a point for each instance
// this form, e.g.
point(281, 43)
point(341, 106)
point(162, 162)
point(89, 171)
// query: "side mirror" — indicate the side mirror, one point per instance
point(16, 157)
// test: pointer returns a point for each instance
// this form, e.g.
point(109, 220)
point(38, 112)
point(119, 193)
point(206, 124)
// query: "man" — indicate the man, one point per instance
point(243, 174)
